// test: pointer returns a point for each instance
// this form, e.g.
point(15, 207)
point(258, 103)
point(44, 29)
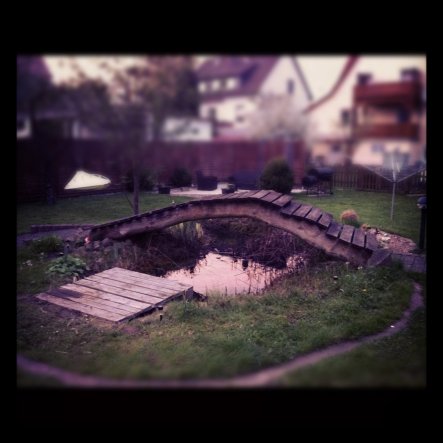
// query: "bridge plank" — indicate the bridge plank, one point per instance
point(249, 194)
point(272, 196)
point(334, 229)
point(302, 211)
point(314, 215)
point(291, 208)
point(283, 200)
point(371, 242)
point(359, 238)
point(236, 195)
point(347, 233)
point(261, 193)
point(325, 220)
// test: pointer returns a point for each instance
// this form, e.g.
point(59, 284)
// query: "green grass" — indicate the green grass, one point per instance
point(88, 209)
point(228, 336)
point(397, 361)
point(373, 208)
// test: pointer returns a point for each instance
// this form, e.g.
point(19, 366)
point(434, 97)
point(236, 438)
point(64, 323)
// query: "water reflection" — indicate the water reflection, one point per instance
point(226, 274)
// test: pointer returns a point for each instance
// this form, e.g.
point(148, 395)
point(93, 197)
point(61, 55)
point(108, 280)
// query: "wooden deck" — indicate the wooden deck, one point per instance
point(116, 294)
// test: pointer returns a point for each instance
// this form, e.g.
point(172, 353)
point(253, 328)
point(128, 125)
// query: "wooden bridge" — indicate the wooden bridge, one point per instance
point(309, 223)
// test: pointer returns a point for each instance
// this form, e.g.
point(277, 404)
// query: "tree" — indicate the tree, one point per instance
point(275, 117)
point(34, 91)
point(132, 100)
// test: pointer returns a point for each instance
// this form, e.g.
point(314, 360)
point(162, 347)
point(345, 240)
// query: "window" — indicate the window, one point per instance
point(403, 115)
point(336, 147)
point(223, 83)
point(215, 85)
point(345, 117)
point(202, 87)
point(364, 78)
point(411, 74)
point(290, 85)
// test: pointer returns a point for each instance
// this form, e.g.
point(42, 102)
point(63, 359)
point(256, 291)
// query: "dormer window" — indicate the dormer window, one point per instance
point(202, 87)
point(231, 83)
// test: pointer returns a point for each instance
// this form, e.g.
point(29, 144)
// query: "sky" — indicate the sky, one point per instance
point(321, 72)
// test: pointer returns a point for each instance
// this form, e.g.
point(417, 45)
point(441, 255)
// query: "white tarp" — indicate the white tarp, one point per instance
point(84, 180)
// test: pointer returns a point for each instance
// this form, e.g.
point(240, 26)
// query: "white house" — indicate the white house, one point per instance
point(230, 87)
point(185, 129)
point(375, 107)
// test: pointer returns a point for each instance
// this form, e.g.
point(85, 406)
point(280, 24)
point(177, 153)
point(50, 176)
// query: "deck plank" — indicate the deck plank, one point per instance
point(107, 296)
point(150, 278)
point(77, 306)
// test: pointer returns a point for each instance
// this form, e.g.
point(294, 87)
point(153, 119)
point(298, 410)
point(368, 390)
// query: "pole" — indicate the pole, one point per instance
point(392, 201)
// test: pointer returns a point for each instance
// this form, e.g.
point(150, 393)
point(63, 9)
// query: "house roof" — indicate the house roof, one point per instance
point(252, 70)
point(341, 78)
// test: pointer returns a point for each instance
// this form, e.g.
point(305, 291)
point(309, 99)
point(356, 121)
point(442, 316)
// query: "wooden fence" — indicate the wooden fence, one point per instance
point(361, 179)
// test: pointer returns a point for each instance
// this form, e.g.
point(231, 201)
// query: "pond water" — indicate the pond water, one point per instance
point(229, 275)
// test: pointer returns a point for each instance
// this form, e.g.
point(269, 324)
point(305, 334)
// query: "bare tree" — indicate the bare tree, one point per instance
point(131, 100)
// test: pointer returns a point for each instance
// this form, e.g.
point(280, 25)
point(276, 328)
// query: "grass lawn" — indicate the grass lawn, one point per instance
point(226, 336)
point(374, 208)
point(88, 209)
point(398, 361)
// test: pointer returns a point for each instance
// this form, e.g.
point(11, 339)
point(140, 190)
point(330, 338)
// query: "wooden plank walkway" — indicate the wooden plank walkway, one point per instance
point(116, 294)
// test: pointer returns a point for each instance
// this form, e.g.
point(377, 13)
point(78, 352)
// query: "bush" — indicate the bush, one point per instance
point(47, 245)
point(67, 266)
point(278, 176)
point(147, 181)
point(350, 217)
point(180, 178)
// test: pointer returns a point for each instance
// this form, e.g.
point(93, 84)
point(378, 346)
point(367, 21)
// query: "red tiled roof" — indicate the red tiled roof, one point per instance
point(252, 71)
point(346, 70)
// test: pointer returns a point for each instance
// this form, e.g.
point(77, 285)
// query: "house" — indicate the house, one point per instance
point(375, 108)
point(184, 129)
point(230, 88)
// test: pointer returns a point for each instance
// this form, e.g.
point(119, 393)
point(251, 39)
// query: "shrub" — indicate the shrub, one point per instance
point(67, 266)
point(147, 181)
point(278, 176)
point(350, 217)
point(47, 245)
point(180, 178)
